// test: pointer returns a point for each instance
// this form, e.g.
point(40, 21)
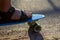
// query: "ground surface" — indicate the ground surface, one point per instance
point(50, 24)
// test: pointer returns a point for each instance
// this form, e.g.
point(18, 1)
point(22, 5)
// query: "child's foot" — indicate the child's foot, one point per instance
point(15, 15)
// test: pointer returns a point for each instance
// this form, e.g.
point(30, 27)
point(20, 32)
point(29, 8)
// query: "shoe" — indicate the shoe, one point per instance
point(6, 16)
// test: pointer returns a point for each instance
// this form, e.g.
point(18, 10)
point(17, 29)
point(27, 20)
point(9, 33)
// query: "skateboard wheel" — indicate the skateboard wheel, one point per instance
point(34, 26)
point(37, 28)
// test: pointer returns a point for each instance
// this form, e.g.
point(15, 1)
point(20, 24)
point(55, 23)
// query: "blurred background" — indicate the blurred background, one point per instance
point(36, 5)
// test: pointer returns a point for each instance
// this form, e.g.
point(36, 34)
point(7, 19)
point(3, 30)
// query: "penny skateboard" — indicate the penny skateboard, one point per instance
point(31, 22)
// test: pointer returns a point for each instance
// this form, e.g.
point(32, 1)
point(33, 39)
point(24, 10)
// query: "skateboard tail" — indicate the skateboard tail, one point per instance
point(36, 17)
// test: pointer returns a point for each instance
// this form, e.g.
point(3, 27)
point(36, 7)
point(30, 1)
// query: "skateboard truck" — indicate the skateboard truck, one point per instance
point(34, 26)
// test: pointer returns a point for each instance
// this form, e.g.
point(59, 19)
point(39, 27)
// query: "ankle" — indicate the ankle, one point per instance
point(5, 5)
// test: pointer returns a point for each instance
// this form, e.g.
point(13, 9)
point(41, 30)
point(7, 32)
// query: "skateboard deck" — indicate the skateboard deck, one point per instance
point(35, 17)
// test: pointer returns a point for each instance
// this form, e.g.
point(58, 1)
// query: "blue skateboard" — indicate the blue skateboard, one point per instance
point(31, 22)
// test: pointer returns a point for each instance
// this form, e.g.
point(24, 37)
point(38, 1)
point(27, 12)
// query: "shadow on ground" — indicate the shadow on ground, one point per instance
point(34, 36)
point(49, 11)
point(53, 5)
